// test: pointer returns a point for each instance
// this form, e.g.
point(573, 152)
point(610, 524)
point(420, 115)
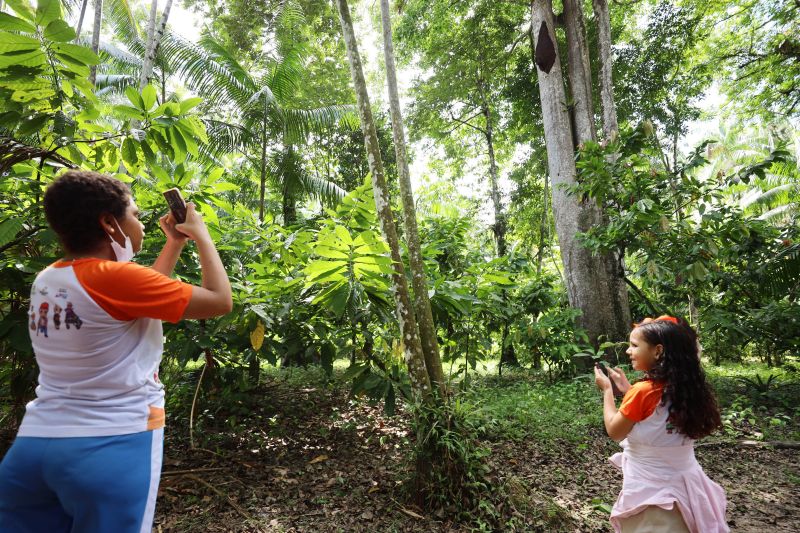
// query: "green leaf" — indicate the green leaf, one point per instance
point(32, 125)
point(59, 31)
point(47, 11)
point(149, 155)
point(128, 111)
point(189, 103)
point(135, 98)
point(77, 53)
point(13, 42)
point(9, 229)
point(343, 234)
point(22, 8)
point(23, 58)
point(10, 22)
point(129, 154)
point(149, 97)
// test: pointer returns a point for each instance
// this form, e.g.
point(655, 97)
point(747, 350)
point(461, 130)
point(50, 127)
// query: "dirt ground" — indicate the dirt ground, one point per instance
point(321, 462)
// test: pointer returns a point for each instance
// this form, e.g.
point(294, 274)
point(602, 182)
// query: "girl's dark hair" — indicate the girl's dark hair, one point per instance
point(692, 406)
point(74, 203)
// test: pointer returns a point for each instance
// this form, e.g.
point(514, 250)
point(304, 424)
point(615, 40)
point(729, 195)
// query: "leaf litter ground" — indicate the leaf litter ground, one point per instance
point(315, 459)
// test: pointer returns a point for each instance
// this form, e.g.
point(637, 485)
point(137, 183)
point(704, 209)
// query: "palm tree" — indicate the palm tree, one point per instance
point(773, 196)
point(256, 119)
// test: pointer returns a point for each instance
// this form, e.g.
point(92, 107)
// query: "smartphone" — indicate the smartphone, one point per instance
point(602, 366)
point(176, 204)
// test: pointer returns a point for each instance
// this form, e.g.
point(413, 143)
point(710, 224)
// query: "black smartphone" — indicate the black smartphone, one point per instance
point(176, 204)
point(603, 368)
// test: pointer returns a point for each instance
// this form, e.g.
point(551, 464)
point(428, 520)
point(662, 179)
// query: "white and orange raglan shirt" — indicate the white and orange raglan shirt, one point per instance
point(96, 331)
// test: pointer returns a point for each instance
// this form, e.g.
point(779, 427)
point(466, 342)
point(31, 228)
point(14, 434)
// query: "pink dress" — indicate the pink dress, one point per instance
point(659, 468)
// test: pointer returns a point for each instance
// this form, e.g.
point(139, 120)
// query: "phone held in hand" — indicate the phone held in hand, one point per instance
point(602, 366)
point(176, 204)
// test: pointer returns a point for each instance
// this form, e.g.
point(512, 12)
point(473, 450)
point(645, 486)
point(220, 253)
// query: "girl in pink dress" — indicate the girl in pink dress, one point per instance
point(664, 489)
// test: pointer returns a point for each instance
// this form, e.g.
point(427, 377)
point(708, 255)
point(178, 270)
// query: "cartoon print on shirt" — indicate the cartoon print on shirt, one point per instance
point(44, 292)
point(43, 319)
point(71, 318)
point(33, 318)
point(62, 293)
point(57, 315)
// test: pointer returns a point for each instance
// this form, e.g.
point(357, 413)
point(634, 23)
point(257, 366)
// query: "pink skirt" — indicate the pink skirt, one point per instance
point(663, 476)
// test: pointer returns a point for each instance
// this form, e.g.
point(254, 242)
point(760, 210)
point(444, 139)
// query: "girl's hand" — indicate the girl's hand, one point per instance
point(168, 223)
point(193, 227)
point(601, 380)
point(620, 379)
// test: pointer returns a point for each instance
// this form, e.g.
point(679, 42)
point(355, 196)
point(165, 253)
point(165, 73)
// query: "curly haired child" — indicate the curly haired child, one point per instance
point(664, 489)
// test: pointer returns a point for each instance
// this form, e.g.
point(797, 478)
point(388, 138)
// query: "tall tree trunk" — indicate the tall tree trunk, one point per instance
point(414, 358)
point(147, 63)
point(152, 50)
point(603, 19)
point(586, 275)
point(422, 305)
point(98, 18)
point(80, 19)
point(543, 224)
point(263, 181)
point(609, 279)
point(580, 75)
point(499, 217)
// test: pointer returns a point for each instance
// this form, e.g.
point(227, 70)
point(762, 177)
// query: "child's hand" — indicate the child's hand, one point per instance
point(168, 223)
point(620, 379)
point(601, 380)
point(193, 227)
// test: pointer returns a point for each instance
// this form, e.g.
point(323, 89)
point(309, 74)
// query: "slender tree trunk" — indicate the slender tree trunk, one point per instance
point(152, 50)
point(415, 360)
point(98, 18)
point(422, 305)
point(80, 19)
point(601, 15)
point(586, 276)
point(147, 64)
point(499, 217)
point(580, 75)
point(543, 224)
point(263, 182)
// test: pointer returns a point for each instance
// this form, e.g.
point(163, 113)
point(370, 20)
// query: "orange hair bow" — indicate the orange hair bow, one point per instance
point(662, 317)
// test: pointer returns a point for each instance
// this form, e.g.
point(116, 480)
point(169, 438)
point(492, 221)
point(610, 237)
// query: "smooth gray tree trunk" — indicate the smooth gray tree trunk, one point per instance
point(148, 44)
point(414, 358)
point(580, 74)
point(603, 19)
point(98, 19)
point(422, 304)
point(152, 50)
point(587, 276)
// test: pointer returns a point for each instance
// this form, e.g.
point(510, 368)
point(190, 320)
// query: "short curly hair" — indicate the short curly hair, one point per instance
point(74, 203)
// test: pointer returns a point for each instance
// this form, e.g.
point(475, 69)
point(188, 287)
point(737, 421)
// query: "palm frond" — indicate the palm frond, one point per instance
point(114, 83)
point(299, 123)
point(207, 70)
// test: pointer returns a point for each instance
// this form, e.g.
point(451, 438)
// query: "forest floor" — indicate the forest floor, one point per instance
point(312, 458)
point(300, 454)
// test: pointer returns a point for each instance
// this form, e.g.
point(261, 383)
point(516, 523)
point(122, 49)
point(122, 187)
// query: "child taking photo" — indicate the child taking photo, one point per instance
point(664, 489)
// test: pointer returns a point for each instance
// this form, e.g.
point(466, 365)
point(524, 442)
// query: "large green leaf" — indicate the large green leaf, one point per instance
point(10, 22)
point(149, 97)
point(9, 229)
point(78, 53)
point(12, 42)
point(59, 31)
point(22, 8)
point(47, 11)
point(129, 154)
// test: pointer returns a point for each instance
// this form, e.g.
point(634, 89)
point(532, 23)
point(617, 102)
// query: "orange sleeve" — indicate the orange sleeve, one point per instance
point(641, 400)
point(127, 291)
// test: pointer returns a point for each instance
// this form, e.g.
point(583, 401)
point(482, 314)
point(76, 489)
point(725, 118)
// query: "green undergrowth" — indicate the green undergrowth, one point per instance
point(524, 405)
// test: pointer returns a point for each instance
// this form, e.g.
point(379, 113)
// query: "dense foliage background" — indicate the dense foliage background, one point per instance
point(255, 122)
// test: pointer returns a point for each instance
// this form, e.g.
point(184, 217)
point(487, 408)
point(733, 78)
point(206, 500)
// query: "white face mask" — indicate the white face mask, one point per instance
point(123, 254)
